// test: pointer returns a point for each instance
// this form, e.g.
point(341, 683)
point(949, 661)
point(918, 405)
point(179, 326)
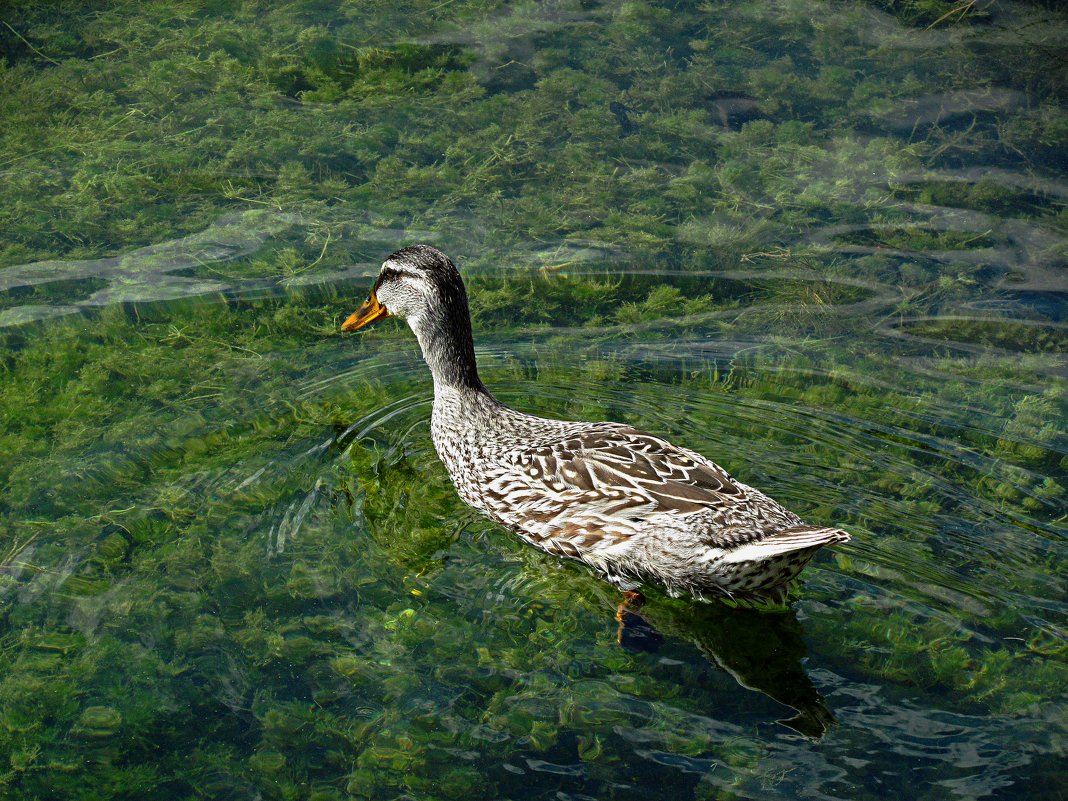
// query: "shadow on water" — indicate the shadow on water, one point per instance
point(762, 651)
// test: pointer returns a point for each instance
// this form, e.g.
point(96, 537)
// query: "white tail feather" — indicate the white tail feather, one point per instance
point(798, 538)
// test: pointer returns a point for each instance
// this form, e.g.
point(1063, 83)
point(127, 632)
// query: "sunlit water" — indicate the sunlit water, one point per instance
point(231, 565)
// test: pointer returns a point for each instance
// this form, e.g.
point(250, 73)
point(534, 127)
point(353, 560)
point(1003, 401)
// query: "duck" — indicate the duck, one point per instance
point(634, 508)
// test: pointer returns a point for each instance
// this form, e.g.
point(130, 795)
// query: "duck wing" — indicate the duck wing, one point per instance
point(591, 493)
point(633, 468)
point(599, 485)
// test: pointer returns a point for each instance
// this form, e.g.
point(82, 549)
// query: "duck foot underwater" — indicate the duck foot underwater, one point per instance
point(630, 505)
point(635, 633)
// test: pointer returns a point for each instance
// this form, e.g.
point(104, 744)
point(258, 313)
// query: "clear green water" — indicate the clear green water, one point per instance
point(823, 243)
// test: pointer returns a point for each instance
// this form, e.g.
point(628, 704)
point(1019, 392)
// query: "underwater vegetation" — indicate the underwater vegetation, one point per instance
point(824, 243)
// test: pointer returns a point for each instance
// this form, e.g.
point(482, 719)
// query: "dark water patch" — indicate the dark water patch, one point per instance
point(1049, 305)
point(962, 110)
point(926, 18)
point(990, 191)
point(1036, 306)
point(733, 109)
point(920, 238)
point(58, 293)
point(981, 335)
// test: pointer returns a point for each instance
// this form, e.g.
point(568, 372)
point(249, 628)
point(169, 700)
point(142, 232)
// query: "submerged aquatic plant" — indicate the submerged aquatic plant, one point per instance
point(230, 563)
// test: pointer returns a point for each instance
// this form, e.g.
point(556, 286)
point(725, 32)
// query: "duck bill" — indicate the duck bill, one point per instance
point(370, 311)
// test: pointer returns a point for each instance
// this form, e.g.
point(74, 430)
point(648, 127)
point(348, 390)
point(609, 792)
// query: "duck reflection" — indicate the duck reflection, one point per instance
point(761, 650)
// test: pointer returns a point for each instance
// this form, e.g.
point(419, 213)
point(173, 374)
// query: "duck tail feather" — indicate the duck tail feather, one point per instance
point(796, 538)
point(814, 535)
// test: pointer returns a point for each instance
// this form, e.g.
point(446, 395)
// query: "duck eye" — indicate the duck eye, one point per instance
point(385, 276)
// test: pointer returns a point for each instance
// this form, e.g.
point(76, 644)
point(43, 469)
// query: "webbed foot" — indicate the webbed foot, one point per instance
point(635, 633)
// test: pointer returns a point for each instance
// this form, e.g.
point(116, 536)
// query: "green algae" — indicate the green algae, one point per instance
point(230, 563)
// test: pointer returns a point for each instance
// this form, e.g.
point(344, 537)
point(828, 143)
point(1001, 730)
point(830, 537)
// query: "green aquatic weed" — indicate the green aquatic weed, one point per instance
point(164, 637)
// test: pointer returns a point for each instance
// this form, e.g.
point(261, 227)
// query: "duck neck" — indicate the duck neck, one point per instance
point(449, 350)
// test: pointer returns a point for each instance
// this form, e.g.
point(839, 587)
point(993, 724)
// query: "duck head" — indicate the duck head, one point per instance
point(421, 285)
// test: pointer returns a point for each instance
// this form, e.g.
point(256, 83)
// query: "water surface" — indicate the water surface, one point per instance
point(824, 244)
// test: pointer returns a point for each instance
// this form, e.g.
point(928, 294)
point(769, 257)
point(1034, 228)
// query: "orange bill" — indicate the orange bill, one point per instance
point(370, 311)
